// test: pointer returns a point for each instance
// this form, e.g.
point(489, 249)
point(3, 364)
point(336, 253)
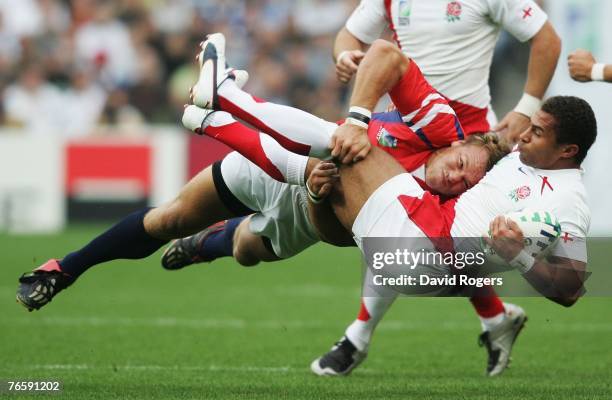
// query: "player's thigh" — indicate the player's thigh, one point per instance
point(359, 181)
point(196, 207)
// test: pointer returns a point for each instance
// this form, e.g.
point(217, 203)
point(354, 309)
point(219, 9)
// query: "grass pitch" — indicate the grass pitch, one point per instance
point(130, 330)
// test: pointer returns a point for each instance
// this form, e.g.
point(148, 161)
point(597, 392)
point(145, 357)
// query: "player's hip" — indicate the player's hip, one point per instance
point(383, 215)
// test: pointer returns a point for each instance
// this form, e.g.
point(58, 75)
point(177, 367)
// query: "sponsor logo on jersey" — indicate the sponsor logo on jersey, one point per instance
point(404, 10)
point(453, 11)
point(520, 193)
point(385, 139)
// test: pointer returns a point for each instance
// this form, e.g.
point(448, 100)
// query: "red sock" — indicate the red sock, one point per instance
point(486, 303)
point(247, 142)
point(363, 315)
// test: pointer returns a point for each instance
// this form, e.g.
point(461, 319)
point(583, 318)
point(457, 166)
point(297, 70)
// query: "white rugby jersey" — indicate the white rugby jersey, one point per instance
point(512, 186)
point(451, 41)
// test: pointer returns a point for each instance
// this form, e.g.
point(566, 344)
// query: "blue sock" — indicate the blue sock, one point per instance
point(127, 239)
point(221, 243)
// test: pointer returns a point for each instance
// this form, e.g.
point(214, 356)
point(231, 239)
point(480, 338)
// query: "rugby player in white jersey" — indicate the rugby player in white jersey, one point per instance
point(545, 173)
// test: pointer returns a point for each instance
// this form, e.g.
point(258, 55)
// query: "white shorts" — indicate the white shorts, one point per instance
point(383, 216)
point(280, 210)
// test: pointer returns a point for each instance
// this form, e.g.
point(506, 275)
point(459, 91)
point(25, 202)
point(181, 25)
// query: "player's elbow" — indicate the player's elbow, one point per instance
point(565, 301)
point(568, 301)
point(388, 53)
point(382, 47)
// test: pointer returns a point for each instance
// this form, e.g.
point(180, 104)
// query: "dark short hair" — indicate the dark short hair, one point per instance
point(575, 123)
point(496, 148)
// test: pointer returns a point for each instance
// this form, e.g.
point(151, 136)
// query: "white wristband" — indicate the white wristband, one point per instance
point(356, 122)
point(523, 262)
point(359, 116)
point(528, 105)
point(598, 72)
point(342, 54)
point(360, 110)
point(314, 198)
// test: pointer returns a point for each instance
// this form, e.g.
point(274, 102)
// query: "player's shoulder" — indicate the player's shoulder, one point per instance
point(372, 5)
point(511, 160)
point(569, 184)
point(571, 204)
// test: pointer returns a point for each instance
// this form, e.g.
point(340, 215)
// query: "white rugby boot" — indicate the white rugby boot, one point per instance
point(500, 340)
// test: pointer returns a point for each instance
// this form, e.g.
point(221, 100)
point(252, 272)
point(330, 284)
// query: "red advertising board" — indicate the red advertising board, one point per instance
point(107, 177)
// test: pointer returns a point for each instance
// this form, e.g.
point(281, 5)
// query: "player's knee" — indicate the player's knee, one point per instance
point(242, 253)
point(244, 248)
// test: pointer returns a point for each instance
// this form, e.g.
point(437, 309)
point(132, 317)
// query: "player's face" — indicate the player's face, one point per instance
point(453, 170)
point(538, 144)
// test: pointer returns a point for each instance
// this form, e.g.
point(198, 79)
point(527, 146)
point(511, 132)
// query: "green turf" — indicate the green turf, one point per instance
point(131, 330)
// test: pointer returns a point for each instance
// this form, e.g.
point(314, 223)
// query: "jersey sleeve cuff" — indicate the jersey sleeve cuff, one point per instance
point(533, 30)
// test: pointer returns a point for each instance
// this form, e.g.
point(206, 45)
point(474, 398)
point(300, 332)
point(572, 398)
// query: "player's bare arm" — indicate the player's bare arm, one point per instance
point(558, 279)
point(321, 183)
point(543, 58)
point(348, 53)
point(321, 179)
point(381, 69)
point(565, 279)
point(584, 68)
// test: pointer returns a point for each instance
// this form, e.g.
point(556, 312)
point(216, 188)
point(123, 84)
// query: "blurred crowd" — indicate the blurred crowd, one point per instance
point(80, 67)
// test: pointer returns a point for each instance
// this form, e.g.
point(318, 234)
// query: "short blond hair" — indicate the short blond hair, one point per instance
point(492, 143)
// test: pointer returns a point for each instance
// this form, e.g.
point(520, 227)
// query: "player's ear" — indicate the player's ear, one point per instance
point(457, 143)
point(570, 151)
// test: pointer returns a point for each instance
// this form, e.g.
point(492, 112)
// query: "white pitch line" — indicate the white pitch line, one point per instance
point(201, 368)
point(178, 368)
point(205, 323)
point(239, 324)
point(168, 322)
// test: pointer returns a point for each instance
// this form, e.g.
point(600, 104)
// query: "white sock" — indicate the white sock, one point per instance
point(291, 165)
point(360, 332)
point(259, 148)
point(296, 125)
point(490, 323)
